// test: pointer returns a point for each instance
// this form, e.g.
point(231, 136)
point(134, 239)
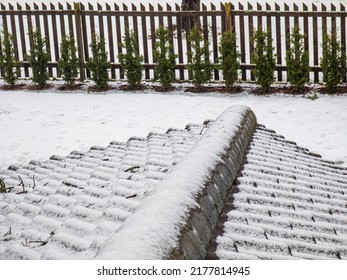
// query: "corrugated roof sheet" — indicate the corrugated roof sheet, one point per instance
point(286, 203)
point(66, 207)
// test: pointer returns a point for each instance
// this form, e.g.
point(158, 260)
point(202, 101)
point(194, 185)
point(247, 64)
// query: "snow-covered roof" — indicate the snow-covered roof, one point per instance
point(287, 203)
point(162, 196)
point(67, 207)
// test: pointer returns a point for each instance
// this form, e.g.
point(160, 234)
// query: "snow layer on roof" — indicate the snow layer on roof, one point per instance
point(67, 207)
point(287, 203)
point(155, 226)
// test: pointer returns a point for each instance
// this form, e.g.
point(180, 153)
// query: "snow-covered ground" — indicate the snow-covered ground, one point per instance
point(35, 125)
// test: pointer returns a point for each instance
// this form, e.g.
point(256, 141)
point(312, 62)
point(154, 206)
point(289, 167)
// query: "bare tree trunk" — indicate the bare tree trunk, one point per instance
point(190, 5)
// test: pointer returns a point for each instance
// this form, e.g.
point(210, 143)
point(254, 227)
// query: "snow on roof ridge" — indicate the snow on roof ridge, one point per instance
point(155, 227)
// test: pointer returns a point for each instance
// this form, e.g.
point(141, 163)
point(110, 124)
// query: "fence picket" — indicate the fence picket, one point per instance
point(324, 20)
point(145, 41)
point(307, 35)
point(79, 36)
point(62, 20)
point(119, 37)
point(22, 40)
point(55, 36)
point(242, 49)
point(110, 41)
point(70, 20)
point(343, 30)
point(215, 41)
point(251, 32)
point(296, 18)
point(223, 24)
point(315, 45)
point(85, 38)
point(333, 19)
point(268, 19)
point(205, 23)
point(179, 20)
point(152, 29)
point(14, 32)
point(259, 18)
point(161, 18)
point(278, 42)
point(101, 23)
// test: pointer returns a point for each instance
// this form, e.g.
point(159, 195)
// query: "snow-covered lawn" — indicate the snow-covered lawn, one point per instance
point(36, 125)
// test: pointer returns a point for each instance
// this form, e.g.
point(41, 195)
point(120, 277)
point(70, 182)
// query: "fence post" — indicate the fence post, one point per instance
point(228, 21)
point(79, 34)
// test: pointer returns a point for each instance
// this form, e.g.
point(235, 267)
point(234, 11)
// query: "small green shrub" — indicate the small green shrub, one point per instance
point(312, 95)
point(264, 59)
point(297, 61)
point(333, 62)
point(68, 62)
point(99, 64)
point(199, 58)
point(131, 60)
point(8, 62)
point(165, 58)
point(230, 58)
point(38, 58)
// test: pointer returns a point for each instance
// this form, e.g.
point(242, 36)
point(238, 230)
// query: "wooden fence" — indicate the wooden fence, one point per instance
point(82, 20)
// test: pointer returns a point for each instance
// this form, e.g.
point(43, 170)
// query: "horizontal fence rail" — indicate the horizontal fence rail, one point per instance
point(82, 20)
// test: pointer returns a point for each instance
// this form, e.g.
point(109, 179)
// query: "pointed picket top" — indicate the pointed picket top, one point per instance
point(314, 8)
point(168, 7)
point(305, 7)
point(249, 6)
point(295, 7)
point(286, 7)
point(19, 7)
point(333, 7)
point(277, 7)
point(116, 7)
point(342, 7)
point(68, 6)
point(27, 7)
point(125, 7)
point(99, 7)
point(259, 7)
point(324, 8)
point(90, 6)
point(241, 6)
point(10, 6)
point(44, 7)
point(60, 6)
point(204, 7)
point(151, 8)
point(108, 7)
point(213, 7)
point(178, 7)
point(268, 6)
point(142, 7)
point(222, 6)
point(160, 8)
point(52, 6)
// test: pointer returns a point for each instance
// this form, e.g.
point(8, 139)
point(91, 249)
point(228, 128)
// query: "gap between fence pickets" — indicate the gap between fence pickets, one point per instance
point(80, 21)
point(155, 227)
